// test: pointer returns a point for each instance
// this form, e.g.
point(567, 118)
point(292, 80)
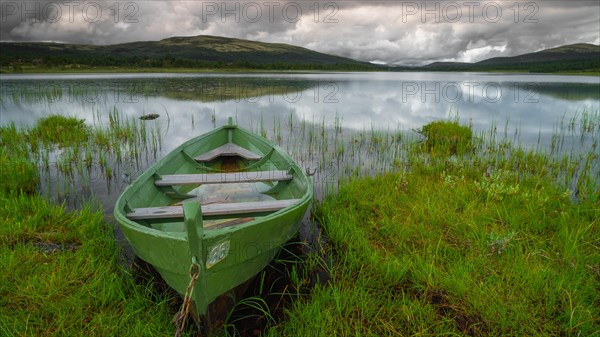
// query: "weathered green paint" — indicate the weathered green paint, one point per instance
point(193, 223)
point(251, 245)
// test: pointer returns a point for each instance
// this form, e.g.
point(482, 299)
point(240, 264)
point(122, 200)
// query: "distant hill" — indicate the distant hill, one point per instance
point(446, 65)
point(574, 57)
point(191, 52)
point(213, 52)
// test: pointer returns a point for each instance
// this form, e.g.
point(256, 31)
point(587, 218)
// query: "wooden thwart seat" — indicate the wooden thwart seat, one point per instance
point(219, 178)
point(228, 150)
point(168, 212)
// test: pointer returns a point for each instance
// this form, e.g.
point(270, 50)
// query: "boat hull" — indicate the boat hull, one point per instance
point(251, 248)
point(227, 256)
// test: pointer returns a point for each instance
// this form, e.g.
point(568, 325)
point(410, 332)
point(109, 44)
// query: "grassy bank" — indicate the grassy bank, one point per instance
point(458, 234)
point(453, 252)
point(458, 244)
point(60, 273)
point(60, 276)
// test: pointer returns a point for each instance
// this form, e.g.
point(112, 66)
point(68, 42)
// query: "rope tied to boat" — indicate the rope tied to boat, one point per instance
point(181, 316)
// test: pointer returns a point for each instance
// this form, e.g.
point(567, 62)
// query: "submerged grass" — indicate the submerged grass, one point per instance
point(67, 154)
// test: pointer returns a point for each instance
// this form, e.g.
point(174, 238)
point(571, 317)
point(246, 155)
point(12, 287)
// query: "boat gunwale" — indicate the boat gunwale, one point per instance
point(120, 214)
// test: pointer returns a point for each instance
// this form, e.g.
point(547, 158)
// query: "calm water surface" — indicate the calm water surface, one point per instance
point(523, 107)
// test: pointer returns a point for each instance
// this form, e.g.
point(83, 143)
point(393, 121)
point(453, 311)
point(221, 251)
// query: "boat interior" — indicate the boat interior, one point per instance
point(234, 185)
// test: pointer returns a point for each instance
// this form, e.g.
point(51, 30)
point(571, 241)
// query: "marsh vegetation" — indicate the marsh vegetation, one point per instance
point(442, 231)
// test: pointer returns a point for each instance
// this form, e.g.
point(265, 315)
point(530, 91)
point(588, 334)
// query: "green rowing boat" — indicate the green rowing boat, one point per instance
point(214, 212)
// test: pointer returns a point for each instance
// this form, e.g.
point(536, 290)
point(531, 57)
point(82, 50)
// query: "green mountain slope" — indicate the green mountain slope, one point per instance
point(580, 51)
point(193, 52)
point(222, 53)
point(574, 57)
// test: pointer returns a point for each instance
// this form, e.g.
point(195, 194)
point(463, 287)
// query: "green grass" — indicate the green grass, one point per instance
point(59, 270)
point(17, 173)
point(60, 130)
point(493, 240)
point(481, 244)
point(447, 137)
point(60, 276)
point(455, 251)
point(458, 234)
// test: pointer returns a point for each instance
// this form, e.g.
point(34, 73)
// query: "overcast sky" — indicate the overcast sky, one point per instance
point(393, 32)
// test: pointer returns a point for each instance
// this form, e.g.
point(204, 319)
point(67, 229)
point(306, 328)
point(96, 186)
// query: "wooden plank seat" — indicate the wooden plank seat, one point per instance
point(169, 212)
point(228, 150)
point(220, 178)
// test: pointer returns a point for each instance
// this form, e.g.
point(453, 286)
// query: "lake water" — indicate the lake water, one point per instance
point(525, 108)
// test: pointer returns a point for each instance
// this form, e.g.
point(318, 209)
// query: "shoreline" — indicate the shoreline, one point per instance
point(126, 70)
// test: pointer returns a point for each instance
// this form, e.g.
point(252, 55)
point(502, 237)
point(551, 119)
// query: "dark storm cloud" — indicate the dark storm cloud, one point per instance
point(396, 32)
